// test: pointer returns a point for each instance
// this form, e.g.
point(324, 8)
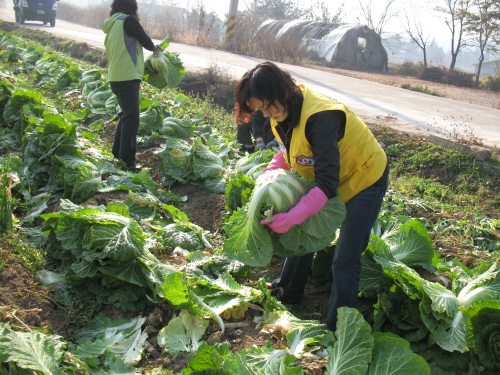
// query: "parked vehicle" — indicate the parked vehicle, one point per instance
point(36, 10)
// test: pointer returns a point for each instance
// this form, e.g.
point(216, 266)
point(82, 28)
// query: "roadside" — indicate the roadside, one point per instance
point(483, 98)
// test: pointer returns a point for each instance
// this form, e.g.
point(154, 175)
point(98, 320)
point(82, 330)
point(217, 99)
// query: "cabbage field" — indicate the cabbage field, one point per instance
point(141, 288)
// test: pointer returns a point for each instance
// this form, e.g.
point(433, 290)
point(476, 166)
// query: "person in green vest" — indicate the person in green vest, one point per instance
point(322, 140)
point(124, 43)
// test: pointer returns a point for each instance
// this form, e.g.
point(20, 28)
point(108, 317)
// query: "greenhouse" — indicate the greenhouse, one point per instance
point(338, 45)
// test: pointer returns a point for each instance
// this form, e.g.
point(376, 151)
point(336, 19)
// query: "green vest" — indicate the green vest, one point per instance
point(362, 159)
point(124, 53)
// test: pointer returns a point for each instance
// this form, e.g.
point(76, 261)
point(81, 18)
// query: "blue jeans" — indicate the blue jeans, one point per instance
point(124, 146)
point(361, 213)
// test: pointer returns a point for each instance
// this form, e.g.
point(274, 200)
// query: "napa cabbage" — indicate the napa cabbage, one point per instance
point(250, 161)
point(179, 128)
point(97, 97)
point(31, 55)
point(69, 78)
point(194, 163)
point(150, 121)
point(90, 87)
point(205, 164)
point(169, 67)
point(278, 191)
point(90, 75)
point(112, 106)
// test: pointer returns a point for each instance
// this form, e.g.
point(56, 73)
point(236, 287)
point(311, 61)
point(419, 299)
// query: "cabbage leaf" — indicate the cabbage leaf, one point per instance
point(34, 351)
point(169, 67)
point(183, 333)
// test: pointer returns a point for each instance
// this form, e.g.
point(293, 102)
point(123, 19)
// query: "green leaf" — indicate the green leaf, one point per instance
point(175, 158)
point(237, 191)
point(132, 272)
point(126, 244)
point(259, 360)
point(392, 355)
point(248, 241)
point(205, 163)
point(150, 121)
point(483, 332)
point(297, 242)
point(114, 366)
point(112, 338)
point(208, 357)
point(175, 127)
point(182, 333)
point(299, 338)
point(327, 220)
point(33, 351)
point(441, 314)
point(175, 290)
point(412, 245)
point(351, 352)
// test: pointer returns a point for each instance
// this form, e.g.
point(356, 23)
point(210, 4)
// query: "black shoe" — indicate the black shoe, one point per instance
point(133, 168)
point(279, 293)
point(247, 148)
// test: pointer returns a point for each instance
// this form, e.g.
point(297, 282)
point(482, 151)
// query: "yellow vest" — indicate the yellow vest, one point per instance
point(362, 159)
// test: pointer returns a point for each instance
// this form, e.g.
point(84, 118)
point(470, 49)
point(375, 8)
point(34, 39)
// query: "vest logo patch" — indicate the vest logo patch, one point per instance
point(304, 160)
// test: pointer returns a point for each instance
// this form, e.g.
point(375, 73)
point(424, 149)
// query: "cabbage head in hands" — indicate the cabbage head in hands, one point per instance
point(168, 65)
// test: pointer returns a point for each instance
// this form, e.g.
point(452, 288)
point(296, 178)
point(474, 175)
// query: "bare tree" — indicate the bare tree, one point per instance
point(263, 10)
point(484, 25)
point(416, 32)
point(319, 11)
point(377, 21)
point(275, 9)
point(456, 13)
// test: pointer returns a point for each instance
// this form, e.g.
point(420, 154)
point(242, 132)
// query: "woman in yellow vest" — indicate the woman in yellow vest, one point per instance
point(324, 141)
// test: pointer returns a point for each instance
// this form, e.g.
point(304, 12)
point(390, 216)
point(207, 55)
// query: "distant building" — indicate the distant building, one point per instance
point(488, 68)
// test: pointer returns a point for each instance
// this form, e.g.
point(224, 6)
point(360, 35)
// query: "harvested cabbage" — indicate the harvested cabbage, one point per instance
point(277, 191)
point(169, 67)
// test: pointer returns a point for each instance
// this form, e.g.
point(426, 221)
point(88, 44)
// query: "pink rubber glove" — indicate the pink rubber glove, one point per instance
point(278, 162)
point(308, 205)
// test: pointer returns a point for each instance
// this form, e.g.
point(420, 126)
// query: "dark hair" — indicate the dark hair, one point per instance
point(266, 82)
point(128, 7)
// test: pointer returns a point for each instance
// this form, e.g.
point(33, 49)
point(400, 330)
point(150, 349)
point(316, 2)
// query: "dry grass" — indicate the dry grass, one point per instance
point(214, 81)
point(92, 18)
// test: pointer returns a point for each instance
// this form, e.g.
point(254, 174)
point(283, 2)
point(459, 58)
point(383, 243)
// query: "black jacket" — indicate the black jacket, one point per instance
point(323, 132)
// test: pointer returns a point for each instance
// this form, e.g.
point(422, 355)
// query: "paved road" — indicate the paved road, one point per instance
point(376, 103)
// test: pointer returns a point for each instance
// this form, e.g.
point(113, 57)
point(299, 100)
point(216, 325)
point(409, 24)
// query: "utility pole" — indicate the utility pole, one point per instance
point(231, 19)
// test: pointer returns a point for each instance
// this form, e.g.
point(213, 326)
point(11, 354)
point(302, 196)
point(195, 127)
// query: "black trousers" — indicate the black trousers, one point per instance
point(125, 144)
point(245, 136)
